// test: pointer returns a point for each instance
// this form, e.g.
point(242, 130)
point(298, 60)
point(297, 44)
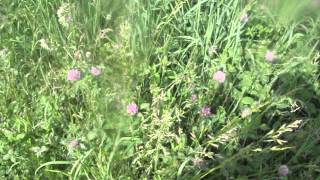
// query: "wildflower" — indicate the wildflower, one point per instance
point(219, 76)
point(95, 71)
point(212, 50)
point(88, 54)
point(77, 55)
point(117, 46)
point(244, 18)
point(246, 112)
point(103, 33)
point(205, 111)
point(270, 56)
point(74, 143)
point(74, 75)
point(283, 170)
point(3, 53)
point(194, 97)
point(44, 44)
point(108, 17)
point(64, 14)
point(132, 109)
point(39, 150)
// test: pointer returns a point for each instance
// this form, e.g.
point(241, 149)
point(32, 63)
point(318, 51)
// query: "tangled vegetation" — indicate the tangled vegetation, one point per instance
point(161, 89)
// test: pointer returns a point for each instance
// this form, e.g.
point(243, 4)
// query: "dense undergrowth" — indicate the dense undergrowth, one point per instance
point(225, 89)
point(264, 114)
point(41, 111)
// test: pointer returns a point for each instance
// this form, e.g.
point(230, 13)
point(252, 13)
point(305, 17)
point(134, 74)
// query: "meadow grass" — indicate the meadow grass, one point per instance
point(262, 115)
point(41, 112)
point(225, 89)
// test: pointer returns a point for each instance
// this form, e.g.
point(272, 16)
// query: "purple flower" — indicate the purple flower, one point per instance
point(270, 56)
point(219, 76)
point(74, 75)
point(283, 170)
point(205, 111)
point(95, 71)
point(132, 109)
point(74, 143)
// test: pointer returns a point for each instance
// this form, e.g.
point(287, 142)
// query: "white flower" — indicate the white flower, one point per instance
point(88, 54)
point(108, 17)
point(117, 46)
point(3, 53)
point(64, 14)
point(44, 44)
point(246, 112)
point(103, 33)
point(212, 50)
point(244, 18)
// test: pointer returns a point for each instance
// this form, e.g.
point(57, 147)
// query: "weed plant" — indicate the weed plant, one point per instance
point(230, 92)
point(160, 89)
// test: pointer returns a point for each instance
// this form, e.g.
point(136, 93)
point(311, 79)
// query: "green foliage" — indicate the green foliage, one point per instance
point(259, 113)
point(41, 112)
point(162, 55)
